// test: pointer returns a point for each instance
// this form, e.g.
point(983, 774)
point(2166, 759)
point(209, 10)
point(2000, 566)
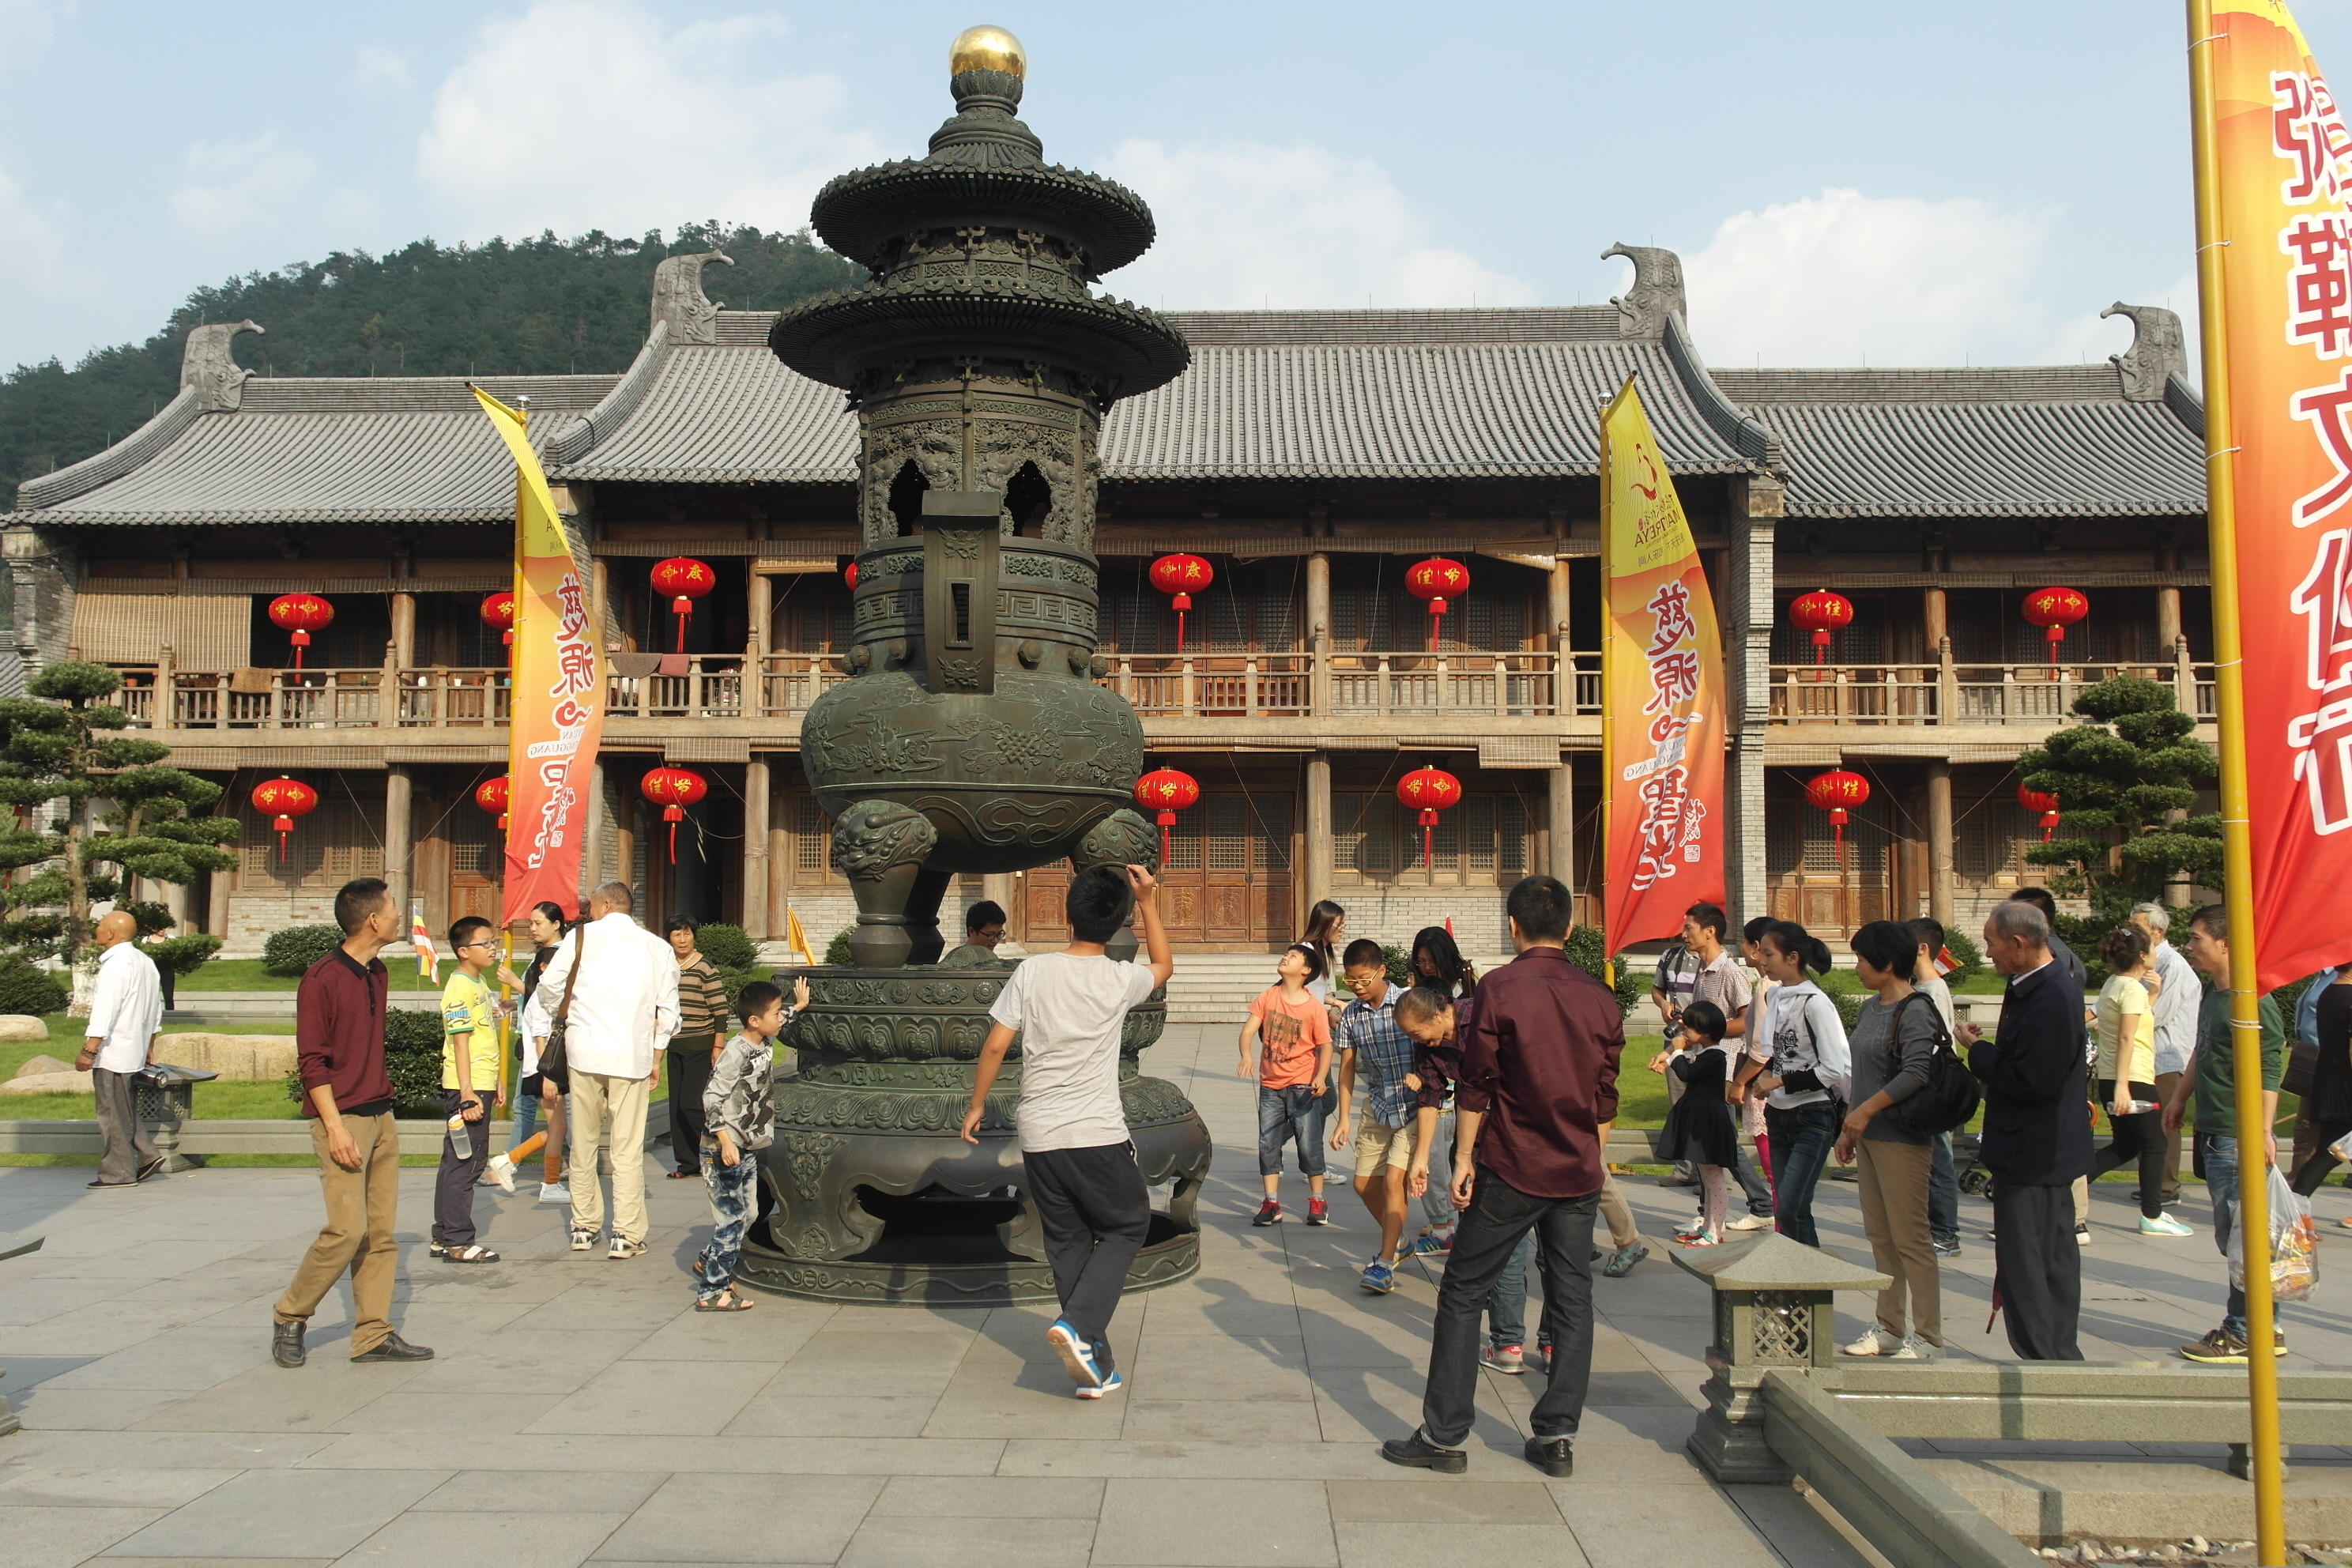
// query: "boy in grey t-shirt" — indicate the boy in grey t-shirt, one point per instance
point(1070, 1009)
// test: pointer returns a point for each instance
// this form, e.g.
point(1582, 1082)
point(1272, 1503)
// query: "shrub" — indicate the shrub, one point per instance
point(1965, 952)
point(1399, 963)
point(297, 948)
point(1585, 952)
point(181, 954)
point(727, 947)
point(412, 1058)
point(836, 952)
point(24, 988)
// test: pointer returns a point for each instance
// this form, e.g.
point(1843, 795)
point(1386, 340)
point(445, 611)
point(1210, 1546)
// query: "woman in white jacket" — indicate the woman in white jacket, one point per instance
point(1806, 1079)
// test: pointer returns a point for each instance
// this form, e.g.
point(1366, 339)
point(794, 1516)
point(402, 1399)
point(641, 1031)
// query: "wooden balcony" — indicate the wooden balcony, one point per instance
point(1949, 693)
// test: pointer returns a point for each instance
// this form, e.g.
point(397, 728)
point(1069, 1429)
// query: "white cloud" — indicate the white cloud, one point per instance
point(376, 67)
point(1844, 279)
point(1246, 225)
point(32, 248)
point(27, 23)
point(586, 114)
point(237, 187)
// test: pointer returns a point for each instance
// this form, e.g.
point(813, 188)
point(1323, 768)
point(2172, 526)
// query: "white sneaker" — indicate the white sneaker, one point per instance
point(1915, 1350)
point(502, 1172)
point(624, 1248)
point(2081, 1236)
point(2165, 1225)
point(1751, 1222)
point(554, 1192)
point(1874, 1341)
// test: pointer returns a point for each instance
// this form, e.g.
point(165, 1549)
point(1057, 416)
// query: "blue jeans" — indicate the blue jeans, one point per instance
point(732, 1188)
point(1802, 1137)
point(1284, 1115)
point(1506, 1305)
point(2220, 1161)
point(1943, 1191)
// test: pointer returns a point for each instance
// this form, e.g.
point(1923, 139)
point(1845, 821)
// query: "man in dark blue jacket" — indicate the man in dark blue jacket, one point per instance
point(2037, 1133)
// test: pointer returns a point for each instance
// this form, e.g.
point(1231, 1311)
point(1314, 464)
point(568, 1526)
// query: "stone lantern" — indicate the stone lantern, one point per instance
point(1774, 1310)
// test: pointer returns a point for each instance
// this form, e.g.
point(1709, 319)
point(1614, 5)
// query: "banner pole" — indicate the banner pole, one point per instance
point(1608, 689)
point(2237, 844)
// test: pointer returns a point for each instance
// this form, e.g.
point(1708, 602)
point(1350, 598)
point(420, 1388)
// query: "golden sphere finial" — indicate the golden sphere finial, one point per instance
point(987, 49)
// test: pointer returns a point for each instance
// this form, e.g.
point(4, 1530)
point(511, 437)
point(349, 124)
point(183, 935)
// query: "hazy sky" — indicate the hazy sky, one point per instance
point(1885, 184)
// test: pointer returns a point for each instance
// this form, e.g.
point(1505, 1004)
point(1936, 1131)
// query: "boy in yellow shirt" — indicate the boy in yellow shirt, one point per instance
point(471, 1081)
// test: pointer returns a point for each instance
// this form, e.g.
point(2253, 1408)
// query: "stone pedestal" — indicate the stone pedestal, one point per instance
point(1774, 1310)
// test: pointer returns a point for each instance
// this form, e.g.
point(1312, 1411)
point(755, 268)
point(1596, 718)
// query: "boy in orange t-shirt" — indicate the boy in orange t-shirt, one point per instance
point(1294, 1068)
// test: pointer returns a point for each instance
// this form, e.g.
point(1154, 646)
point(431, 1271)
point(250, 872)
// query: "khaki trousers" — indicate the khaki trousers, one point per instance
point(1616, 1215)
point(362, 1206)
point(595, 1097)
point(1894, 1181)
point(2166, 1082)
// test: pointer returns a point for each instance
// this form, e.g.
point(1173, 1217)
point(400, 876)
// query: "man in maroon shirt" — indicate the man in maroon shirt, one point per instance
point(347, 1093)
point(1539, 1087)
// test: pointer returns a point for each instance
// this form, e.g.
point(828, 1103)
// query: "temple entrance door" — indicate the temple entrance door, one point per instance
point(475, 864)
point(1227, 881)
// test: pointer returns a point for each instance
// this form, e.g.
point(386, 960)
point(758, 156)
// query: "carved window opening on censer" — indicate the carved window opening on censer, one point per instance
point(1029, 500)
point(907, 491)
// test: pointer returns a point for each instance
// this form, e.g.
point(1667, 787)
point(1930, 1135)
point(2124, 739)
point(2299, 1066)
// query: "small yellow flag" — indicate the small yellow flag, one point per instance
point(795, 939)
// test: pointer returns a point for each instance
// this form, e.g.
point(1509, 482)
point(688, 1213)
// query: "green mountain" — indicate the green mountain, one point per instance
point(540, 306)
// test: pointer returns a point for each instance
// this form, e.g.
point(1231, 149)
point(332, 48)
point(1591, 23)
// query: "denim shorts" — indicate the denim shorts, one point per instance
point(1284, 1115)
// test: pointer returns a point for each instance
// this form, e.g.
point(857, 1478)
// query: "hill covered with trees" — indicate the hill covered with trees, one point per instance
point(540, 306)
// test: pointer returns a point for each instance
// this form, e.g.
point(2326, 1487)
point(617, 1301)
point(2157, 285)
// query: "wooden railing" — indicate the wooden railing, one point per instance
point(1413, 685)
point(1214, 685)
point(1948, 692)
point(710, 687)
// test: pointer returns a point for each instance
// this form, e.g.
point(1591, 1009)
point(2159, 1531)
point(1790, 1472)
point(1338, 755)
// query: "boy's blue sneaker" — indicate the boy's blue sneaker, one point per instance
point(1110, 1385)
point(1077, 1355)
point(1425, 1245)
point(1378, 1277)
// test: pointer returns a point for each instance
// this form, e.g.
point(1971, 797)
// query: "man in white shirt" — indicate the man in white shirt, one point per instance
point(623, 1013)
point(2179, 993)
point(126, 1012)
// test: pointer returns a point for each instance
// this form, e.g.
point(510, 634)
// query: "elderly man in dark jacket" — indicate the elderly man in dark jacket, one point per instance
point(2037, 1135)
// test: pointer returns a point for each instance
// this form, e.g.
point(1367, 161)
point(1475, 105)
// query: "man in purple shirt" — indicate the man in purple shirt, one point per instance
point(1538, 1092)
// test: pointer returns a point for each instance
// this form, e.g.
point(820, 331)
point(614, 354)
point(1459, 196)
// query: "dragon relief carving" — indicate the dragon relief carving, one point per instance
point(873, 836)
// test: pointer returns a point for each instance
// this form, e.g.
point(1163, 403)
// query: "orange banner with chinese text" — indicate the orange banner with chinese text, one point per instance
point(2283, 162)
point(1664, 696)
point(557, 698)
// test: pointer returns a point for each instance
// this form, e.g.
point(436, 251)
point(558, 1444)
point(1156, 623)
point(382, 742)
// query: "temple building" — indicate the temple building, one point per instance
point(1311, 456)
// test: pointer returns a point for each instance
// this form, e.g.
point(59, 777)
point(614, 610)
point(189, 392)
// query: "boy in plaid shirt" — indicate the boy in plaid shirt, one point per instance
point(1379, 1059)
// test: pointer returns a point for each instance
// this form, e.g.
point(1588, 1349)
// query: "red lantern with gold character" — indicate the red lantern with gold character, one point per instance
point(499, 612)
point(2047, 804)
point(302, 613)
point(491, 795)
point(1440, 582)
point(283, 800)
point(673, 789)
point(1821, 613)
point(1837, 792)
point(2053, 610)
point(1167, 792)
point(685, 580)
point(849, 575)
point(1179, 577)
point(1428, 791)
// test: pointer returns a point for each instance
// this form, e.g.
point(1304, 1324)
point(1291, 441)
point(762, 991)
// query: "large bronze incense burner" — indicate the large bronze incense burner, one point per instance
point(972, 736)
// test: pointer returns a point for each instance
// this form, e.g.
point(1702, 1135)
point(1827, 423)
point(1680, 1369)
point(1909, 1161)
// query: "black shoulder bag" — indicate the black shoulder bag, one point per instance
point(1950, 1095)
point(551, 1057)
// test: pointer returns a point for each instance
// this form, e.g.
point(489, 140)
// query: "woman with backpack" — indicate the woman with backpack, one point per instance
point(1806, 1076)
point(1894, 1045)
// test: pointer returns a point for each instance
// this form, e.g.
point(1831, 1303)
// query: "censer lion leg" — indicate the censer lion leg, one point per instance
point(923, 916)
point(881, 846)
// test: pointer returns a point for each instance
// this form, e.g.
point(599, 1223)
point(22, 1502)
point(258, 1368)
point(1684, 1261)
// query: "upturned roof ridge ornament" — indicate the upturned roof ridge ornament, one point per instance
point(679, 299)
point(1656, 293)
point(2159, 351)
point(210, 371)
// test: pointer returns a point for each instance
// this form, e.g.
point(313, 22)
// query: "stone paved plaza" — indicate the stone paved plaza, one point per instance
point(578, 1410)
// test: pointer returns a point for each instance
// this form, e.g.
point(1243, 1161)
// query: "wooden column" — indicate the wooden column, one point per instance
point(1558, 631)
point(218, 884)
point(399, 851)
point(2167, 620)
point(1563, 826)
point(780, 888)
point(1321, 868)
point(1939, 840)
point(403, 630)
point(1318, 643)
point(755, 845)
point(1935, 617)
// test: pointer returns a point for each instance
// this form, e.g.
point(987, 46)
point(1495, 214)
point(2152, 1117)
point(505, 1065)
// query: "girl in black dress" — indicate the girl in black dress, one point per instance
point(1699, 1127)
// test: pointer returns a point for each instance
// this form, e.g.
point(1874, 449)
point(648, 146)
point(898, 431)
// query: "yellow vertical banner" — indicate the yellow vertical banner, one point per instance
point(556, 704)
point(1663, 728)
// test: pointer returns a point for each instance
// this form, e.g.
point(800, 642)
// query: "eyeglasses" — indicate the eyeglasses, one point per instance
point(464, 945)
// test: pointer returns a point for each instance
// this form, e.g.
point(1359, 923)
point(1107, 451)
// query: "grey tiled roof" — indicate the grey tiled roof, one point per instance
point(729, 412)
point(318, 450)
point(2024, 441)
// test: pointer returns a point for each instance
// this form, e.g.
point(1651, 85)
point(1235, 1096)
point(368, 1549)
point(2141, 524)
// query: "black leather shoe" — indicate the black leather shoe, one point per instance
point(1552, 1455)
point(1419, 1453)
point(285, 1345)
point(394, 1348)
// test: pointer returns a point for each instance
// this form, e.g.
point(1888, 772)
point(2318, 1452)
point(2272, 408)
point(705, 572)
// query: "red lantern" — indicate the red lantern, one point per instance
point(673, 789)
point(685, 580)
point(1168, 792)
point(2047, 804)
point(1437, 580)
point(283, 800)
point(1821, 613)
point(1834, 792)
point(302, 613)
point(1430, 791)
point(2053, 610)
point(499, 612)
point(1180, 576)
point(849, 575)
point(491, 795)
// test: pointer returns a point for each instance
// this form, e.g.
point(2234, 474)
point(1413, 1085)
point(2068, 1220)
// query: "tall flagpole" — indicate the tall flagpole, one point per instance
point(1608, 689)
point(2237, 843)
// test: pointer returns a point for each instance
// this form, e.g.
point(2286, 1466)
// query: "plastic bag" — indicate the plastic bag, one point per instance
point(2294, 1243)
point(2342, 1147)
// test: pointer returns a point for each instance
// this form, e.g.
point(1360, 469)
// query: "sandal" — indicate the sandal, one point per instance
point(727, 1300)
point(476, 1254)
point(685, 1175)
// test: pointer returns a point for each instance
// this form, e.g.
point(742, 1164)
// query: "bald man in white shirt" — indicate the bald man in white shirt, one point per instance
point(126, 1013)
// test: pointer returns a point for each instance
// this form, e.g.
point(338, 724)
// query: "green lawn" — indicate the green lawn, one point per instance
point(246, 974)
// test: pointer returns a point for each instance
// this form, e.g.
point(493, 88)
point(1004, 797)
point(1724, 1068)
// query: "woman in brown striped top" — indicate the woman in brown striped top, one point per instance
point(701, 1031)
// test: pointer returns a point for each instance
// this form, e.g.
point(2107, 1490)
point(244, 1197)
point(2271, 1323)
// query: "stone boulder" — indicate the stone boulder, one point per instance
point(18, 1028)
point(47, 1083)
point(42, 1064)
point(245, 1058)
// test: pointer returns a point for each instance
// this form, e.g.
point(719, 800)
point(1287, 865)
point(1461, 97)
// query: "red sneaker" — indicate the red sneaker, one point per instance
point(1270, 1213)
point(1318, 1211)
